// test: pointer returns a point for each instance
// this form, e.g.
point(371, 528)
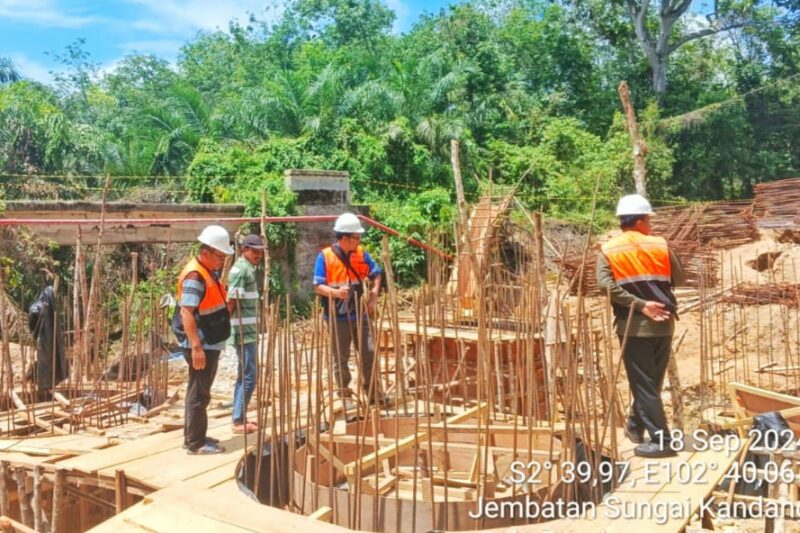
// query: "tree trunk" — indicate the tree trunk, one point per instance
point(659, 67)
point(639, 146)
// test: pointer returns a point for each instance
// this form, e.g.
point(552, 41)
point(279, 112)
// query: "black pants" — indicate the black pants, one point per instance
point(345, 333)
point(198, 396)
point(646, 360)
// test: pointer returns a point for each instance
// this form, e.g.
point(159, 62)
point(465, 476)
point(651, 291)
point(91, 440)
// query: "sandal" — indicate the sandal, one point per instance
point(241, 429)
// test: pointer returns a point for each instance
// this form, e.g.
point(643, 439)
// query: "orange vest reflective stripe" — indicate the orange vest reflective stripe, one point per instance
point(337, 274)
point(640, 265)
point(634, 257)
point(215, 297)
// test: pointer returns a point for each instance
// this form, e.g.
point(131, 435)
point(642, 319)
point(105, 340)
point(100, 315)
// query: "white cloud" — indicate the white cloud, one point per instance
point(188, 16)
point(31, 69)
point(42, 13)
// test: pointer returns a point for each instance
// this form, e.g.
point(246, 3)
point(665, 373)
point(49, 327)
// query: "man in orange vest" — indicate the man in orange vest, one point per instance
point(202, 325)
point(344, 275)
point(638, 271)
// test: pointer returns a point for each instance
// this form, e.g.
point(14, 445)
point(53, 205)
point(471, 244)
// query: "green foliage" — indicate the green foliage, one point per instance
point(238, 175)
point(8, 73)
point(420, 216)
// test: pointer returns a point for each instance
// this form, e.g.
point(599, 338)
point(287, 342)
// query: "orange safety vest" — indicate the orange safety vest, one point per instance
point(338, 275)
point(640, 265)
point(212, 315)
point(336, 272)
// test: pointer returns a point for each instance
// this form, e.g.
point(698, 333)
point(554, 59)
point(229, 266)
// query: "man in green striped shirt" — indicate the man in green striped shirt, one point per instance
point(243, 291)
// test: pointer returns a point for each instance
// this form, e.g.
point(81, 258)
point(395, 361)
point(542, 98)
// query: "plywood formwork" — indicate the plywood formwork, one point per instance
point(418, 466)
point(452, 358)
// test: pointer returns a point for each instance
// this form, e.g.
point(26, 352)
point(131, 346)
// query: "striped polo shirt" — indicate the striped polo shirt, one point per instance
point(242, 286)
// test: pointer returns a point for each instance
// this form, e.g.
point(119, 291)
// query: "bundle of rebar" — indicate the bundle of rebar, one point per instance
point(777, 204)
point(781, 293)
point(728, 224)
point(693, 232)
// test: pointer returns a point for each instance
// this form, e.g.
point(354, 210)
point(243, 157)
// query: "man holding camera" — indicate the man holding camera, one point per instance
point(344, 275)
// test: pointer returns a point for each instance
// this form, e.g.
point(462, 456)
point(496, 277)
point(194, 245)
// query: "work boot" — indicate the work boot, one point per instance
point(654, 450)
point(636, 436)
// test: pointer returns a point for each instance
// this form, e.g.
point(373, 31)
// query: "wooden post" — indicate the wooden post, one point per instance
point(4, 488)
point(120, 490)
point(37, 498)
point(540, 273)
point(58, 500)
point(675, 385)
point(25, 510)
point(639, 146)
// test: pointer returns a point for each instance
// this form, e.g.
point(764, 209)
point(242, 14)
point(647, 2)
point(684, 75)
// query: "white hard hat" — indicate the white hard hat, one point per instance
point(633, 204)
point(217, 238)
point(348, 223)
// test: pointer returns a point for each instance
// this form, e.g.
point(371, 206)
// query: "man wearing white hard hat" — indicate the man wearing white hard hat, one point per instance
point(344, 275)
point(202, 325)
point(639, 270)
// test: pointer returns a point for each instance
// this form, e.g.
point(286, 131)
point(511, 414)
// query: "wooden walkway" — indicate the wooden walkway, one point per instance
point(200, 493)
point(204, 496)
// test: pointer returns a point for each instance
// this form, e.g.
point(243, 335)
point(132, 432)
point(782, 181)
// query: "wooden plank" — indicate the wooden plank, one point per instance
point(764, 393)
point(744, 422)
point(149, 469)
point(451, 446)
point(31, 416)
point(322, 514)
point(77, 447)
point(163, 517)
point(389, 451)
point(337, 463)
point(464, 334)
point(183, 509)
point(7, 524)
point(131, 451)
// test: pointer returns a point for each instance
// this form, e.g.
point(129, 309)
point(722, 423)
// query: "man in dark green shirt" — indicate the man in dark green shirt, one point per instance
point(243, 291)
point(638, 271)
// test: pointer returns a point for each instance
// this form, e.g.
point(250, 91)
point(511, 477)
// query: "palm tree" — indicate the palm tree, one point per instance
point(179, 125)
point(290, 104)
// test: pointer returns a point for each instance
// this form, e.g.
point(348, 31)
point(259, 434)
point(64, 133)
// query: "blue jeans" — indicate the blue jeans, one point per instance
point(244, 384)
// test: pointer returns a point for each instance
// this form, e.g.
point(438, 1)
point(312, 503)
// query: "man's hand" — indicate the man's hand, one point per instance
point(372, 302)
point(198, 358)
point(342, 293)
point(656, 311)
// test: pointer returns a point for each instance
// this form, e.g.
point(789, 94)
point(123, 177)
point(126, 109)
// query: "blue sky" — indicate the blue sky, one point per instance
point(112, 29)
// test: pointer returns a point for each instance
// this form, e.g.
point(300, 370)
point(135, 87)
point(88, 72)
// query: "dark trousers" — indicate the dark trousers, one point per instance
point(198, 396)
point(343, 334)
point(646, 360)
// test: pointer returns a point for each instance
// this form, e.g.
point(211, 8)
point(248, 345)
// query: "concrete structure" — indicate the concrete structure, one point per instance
point(64, 233)
point(319, 192)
